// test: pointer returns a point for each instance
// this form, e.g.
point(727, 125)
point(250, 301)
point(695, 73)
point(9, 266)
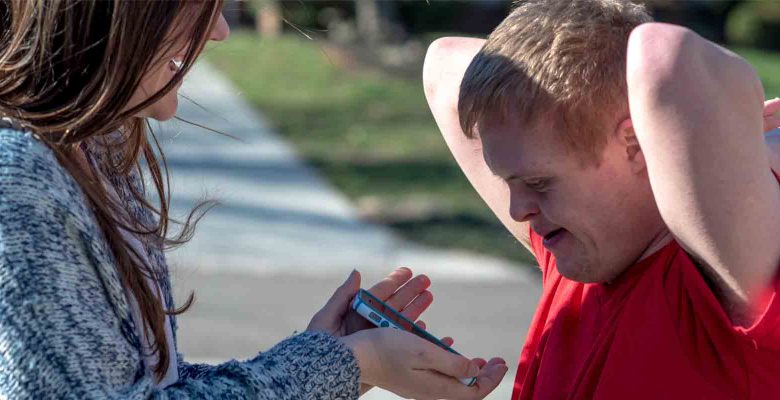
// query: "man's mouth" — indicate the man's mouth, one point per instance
point(551, 238)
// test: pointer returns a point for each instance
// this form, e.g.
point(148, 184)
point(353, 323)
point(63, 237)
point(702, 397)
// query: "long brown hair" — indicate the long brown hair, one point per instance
point(68, 70)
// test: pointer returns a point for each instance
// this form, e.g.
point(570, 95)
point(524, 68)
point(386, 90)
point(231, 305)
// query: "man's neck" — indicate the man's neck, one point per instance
point(660, 240)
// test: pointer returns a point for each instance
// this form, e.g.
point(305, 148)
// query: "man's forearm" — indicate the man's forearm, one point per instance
point(697, 111)
point(445, 65)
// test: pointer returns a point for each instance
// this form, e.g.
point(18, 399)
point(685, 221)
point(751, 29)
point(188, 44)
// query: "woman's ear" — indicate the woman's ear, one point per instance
point(627, 138)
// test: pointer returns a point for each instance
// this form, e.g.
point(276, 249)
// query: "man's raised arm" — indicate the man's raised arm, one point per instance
point(445, 63)
point(697, 112)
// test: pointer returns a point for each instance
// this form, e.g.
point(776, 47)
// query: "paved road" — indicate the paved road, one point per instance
point(265, 260)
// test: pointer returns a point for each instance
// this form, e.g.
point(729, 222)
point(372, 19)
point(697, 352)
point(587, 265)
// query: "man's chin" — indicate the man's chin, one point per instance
point(585, 272)
point(578, 271)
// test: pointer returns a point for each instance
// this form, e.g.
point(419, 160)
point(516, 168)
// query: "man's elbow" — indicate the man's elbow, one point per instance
point(445, 62)
point(659, 54)
point(435, 58)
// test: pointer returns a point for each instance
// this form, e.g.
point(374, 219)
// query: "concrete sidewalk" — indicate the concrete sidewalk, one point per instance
point(265, 260)
point(237, 315)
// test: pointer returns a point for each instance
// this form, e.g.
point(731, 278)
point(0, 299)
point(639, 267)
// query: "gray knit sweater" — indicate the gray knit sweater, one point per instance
point(66, 329)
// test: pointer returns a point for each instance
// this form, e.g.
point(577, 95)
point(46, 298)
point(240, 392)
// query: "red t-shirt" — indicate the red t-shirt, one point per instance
point(658, 332)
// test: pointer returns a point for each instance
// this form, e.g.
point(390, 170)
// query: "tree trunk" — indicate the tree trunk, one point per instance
point(268, 18)
point(369, 21)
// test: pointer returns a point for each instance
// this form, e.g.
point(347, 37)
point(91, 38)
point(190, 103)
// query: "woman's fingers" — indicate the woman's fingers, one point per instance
point(480, 362)
point(329, 317)
point(490, 377)
point(448, 341)
point(386, 287)
point(771, 106)
point(338, 304)
point(418, 306)
point(442, 386)
point(415, 368)
point(404, 293)
point(489, 374)
point(408, 292)
point(496, 360)
point(397, 290)
point(444, 362)
point(771, 122)
point(343, 295)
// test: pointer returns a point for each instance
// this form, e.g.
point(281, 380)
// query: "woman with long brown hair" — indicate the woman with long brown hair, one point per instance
point(85, 303)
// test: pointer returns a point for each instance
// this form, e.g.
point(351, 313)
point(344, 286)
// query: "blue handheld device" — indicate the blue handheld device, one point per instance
point(384, 316)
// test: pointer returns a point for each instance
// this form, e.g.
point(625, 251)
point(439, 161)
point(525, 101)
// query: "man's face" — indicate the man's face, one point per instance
point(596, 220)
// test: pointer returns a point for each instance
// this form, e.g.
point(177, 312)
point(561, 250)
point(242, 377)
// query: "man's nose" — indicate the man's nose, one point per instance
point(522, 208)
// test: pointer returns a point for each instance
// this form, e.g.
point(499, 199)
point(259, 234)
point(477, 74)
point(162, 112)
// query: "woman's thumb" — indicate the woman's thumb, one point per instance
point(341, 298)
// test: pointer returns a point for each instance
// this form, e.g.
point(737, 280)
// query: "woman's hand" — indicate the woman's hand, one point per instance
point(399, 290)
point(412, 367)
point(771, 119)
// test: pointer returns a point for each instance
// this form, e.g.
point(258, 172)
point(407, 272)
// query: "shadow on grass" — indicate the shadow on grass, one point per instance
point(427, 201)
point(467, 232)
point(399, 178)
point(372, 135)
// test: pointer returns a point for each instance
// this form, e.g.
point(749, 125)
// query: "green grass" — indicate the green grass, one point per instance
point(373, 137)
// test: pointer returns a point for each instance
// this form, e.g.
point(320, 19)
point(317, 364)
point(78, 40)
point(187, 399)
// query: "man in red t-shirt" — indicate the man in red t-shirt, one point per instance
point(629, 157)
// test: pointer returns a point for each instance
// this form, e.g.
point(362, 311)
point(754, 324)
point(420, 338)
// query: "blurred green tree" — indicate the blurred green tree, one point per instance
point(755, 24)
point(707, 17)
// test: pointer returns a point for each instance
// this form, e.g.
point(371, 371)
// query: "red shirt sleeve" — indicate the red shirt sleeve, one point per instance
point(766, 329)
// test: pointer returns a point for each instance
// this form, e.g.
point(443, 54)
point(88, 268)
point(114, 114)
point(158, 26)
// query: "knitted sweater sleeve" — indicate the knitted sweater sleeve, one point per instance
point(305, 366)
point(65, 324)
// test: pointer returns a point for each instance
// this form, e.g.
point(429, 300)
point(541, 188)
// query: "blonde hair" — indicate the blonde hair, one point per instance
point(557, 59)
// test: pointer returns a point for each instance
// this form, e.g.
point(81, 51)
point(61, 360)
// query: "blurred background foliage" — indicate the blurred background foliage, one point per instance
point(341, 81)
point(745, 22)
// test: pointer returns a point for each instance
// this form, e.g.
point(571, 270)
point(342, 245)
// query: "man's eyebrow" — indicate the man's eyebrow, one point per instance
point(531, 174)
point(510, 177)
point(498, 174)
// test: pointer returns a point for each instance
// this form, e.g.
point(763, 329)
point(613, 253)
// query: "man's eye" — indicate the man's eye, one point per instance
point(538, 185)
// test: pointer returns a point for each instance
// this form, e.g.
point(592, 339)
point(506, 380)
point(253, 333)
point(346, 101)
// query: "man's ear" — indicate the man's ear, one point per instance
point(627, 138)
